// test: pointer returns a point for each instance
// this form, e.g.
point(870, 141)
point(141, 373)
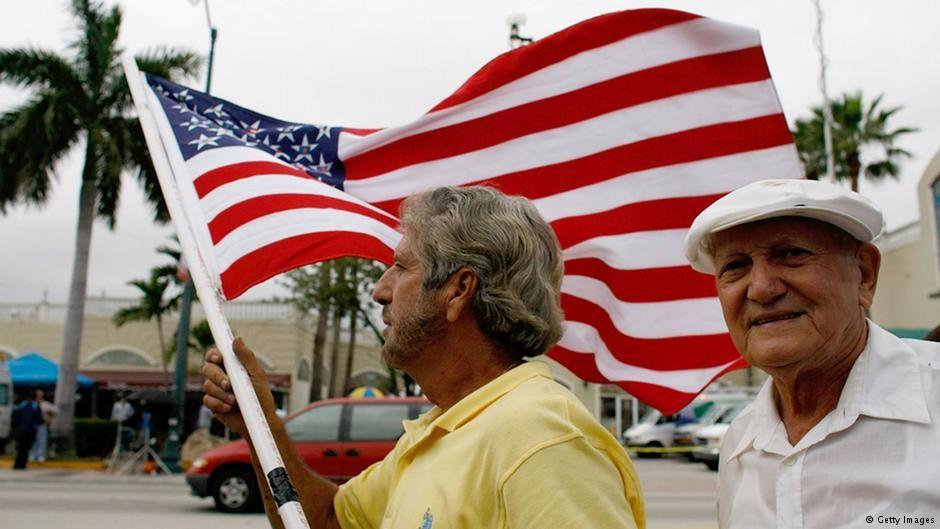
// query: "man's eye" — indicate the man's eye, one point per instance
point(732, 266)
point(793, 252)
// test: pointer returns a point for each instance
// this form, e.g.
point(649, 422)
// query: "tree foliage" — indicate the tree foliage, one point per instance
point(336, 289)
point(79, 99)
point(863, 142)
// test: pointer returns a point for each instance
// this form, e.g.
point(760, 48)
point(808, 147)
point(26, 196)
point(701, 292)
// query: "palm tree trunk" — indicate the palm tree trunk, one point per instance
point(353, 320)
point(334, 350)
point(75, 315)
point(319, 337)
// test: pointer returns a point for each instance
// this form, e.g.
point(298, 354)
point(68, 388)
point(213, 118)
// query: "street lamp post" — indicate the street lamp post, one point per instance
point(171, 453)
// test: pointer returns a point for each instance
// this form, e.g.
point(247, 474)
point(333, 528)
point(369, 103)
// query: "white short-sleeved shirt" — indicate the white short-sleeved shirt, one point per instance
point(873, 460)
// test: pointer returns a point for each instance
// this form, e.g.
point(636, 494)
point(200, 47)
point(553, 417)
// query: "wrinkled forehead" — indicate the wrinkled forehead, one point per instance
point(767, 233)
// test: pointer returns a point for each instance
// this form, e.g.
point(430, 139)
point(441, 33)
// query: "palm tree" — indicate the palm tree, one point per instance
point(858, 132)
point(79, 97)
point(152, 306)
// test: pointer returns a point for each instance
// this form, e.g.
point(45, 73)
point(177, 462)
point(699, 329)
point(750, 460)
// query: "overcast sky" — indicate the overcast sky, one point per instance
point(381, 63)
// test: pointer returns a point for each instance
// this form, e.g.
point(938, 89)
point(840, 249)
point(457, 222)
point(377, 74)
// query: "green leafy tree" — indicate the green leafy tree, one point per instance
point(153, 305)
point(863, 143)
point(82, 100)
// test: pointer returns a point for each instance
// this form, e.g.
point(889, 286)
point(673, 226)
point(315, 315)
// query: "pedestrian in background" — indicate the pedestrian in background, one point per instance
point(27, 416)
point(41, 445)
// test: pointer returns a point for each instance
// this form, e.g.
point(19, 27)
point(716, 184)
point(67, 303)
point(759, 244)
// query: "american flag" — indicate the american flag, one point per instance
point(621, 129)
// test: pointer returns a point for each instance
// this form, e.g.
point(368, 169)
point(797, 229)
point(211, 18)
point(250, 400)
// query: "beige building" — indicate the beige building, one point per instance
point(129, 356)
point(908, 296)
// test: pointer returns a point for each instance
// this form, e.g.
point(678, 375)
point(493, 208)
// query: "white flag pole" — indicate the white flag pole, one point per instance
point(258, 430)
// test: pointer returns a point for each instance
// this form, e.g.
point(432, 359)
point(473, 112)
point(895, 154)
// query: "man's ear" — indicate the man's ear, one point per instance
point(869, 262)
point(458, 293)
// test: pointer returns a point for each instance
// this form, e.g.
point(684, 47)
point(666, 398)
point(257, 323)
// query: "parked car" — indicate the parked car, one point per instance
point(708, 439)
point(654, 430)
point(684, 435)
point(338, 438)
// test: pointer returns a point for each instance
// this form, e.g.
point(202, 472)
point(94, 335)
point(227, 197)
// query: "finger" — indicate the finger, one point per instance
point(213, 373)
point(217, 406)
point(245, 355)
point(213, 356)
point(218, 392)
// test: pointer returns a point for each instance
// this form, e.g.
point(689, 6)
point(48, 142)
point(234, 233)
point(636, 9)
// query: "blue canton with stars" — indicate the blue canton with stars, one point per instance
point(202, 122)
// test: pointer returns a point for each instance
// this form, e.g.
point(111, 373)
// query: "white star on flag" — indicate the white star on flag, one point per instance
point(304, 150)
point(324, 131)
point(287, 132)
point(251, 129)
point(204, 141)
point(217, 110)
point(194, 123)
point(323, 166)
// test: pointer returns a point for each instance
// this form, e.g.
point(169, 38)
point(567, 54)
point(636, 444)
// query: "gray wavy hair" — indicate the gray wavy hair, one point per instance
point(509, 246)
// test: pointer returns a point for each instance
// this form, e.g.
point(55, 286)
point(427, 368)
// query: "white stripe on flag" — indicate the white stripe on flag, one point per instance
point(650, 320)
point(582, 338)
point(711, 176)
point(634, 251)
point(640, 122)
point(285, 224)
point(676, 42)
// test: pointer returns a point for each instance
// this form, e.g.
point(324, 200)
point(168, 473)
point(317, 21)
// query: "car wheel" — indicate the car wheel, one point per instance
point(651, 455)
point(235, 490)
point(712, 464)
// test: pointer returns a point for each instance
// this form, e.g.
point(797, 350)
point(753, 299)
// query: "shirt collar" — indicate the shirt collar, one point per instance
point(473, 404)
point(884, 382)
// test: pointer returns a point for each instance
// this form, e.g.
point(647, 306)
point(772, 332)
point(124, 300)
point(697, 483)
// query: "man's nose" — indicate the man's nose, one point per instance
point(382, 293)
point(766, 285)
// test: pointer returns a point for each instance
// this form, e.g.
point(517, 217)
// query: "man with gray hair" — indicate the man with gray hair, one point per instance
point(474, 289)
point(846, 432)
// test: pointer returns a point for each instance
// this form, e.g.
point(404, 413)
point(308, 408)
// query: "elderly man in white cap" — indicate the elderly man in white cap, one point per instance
point(846, 433)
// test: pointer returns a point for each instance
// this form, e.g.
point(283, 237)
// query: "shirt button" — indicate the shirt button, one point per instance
point(790, 461)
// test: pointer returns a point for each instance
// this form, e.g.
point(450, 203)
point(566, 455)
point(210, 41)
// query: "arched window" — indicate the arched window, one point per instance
point(7, 353)
point(121, 355)
point(303, 371)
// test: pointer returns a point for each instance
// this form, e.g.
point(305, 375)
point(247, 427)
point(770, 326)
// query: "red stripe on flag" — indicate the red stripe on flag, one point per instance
point(287, 254)
point(690, 75)
point(253, 208)
point(593, 33)
point(581, 364)
point(691, 145)
point(210, 180)
point(682, 147)
point(669, 401)
point(680, 352)
point(662, 214)
point(648, 285)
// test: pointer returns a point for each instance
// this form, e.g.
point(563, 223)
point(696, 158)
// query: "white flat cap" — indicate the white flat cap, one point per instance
point(769, 199)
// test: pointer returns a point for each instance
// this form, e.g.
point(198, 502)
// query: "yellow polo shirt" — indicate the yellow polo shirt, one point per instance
point(519, 452)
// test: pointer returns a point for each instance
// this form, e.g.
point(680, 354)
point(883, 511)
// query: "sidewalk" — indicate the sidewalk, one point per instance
point(75, 463)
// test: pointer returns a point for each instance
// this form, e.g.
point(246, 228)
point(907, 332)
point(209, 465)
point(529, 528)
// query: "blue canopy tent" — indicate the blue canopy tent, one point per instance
point(33, 369)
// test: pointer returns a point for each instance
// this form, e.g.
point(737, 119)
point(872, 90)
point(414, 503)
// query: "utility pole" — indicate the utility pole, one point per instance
point(171, 453)
point(827, 108)
point(515, 39)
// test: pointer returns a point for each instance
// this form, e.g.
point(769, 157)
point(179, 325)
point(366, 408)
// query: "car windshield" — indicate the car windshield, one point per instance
point(731, 412)
point(651, 417)
point(712, 414)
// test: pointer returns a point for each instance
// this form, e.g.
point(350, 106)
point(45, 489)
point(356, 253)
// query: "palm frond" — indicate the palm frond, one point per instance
point(32, 68)
point(33, 138)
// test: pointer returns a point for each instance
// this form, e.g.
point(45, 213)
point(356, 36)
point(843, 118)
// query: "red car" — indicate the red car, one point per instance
point(338, 438)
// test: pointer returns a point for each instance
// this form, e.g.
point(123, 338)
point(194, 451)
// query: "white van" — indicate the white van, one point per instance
point(6, 400)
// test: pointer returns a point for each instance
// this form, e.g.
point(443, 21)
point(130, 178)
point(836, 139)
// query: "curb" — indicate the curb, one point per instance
point(62, 464)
